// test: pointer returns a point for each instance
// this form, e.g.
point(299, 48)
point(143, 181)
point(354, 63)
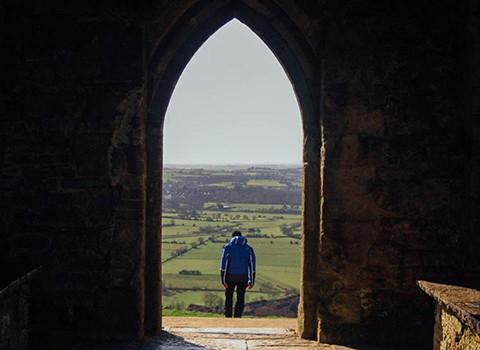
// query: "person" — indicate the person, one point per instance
point(237, 270)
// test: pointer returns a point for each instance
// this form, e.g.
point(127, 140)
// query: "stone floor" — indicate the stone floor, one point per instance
point(191, 333)
point(245, 333)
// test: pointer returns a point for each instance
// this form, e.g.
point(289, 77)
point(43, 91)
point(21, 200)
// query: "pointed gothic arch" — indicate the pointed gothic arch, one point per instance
point(163, 66)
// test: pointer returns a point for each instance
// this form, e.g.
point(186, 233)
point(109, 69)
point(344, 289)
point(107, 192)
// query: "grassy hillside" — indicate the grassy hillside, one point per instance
point(194, 233)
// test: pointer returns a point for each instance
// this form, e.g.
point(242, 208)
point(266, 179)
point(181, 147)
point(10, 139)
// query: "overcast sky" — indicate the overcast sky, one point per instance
point(233, 104)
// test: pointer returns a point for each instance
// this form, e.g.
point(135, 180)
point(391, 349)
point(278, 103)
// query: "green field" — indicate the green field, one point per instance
point(278, 261)
point(265, 183)
point(193, 238)
point(263, 208)
point(182, 299)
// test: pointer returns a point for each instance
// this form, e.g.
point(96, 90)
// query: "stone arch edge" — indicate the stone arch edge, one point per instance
point(163, 67)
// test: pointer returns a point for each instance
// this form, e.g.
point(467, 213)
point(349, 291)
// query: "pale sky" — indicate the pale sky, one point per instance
point(233, 104)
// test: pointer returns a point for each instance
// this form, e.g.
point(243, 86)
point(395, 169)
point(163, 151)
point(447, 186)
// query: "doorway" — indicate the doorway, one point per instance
point(232, 161)
point(168, 60)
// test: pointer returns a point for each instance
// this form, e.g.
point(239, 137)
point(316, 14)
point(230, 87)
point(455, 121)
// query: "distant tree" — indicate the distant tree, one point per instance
point(286, 230)
point(179, 305)
point(179, 251)
point(190, 272)
point(212, 299)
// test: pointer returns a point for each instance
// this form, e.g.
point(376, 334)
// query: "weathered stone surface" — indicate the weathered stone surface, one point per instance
point(407, 137)
point(389, 94)
point(346, 306)
point(456, 316)
point(15, 281)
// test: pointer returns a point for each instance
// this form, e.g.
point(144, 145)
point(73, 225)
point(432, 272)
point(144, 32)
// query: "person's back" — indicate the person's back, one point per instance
point(239, 254)
point(237, 269)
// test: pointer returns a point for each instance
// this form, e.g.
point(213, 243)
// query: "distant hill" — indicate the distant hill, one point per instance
point(222, 184)
point(231, 166)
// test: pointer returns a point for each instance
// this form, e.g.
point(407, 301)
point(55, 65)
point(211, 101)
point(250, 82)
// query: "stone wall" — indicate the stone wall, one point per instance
point(452, 334)
point(394, 165)
point(14, 305)
point(14, 317)
point(471, 239)
point(69, 184)
point(84, 86)
point(457, 323)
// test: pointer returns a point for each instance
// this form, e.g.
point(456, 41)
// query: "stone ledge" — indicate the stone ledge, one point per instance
point(463, 302)
point(16, 276)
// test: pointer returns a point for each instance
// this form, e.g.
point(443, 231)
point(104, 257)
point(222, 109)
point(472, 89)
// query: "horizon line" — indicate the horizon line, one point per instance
point(197, 165)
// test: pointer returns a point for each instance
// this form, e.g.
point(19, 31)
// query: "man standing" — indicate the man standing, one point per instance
point(237, 269)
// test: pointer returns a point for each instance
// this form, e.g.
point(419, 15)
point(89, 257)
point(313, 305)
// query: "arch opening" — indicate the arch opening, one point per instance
point(164, 68)
point(234, 104)
point(232, 161)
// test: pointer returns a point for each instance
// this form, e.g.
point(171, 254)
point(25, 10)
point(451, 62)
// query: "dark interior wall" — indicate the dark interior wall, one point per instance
point(400, 118)
point(396, 146)
point(67, 148)
point(471, 239)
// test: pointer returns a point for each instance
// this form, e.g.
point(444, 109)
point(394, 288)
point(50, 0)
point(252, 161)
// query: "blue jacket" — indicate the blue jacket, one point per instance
point(238, 258)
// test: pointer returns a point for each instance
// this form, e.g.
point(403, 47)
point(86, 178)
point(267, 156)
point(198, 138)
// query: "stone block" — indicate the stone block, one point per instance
point(379, 303)
point(329, 286)
point(130, 212)
point(356, 239)
point(128, 244)
point(360, 174)
point(365, 209)
point(121, 278)
point(381, 277)
point(384, 254)
point(79, 260)
point(361, 120)
point(81, 183)
point(88, 157)
point(116, 322)
point(99, 209)
point(345, 306)
point(437, 259)
point(349, 148)
point(133, 187)
point(456, 315)
point(373, 149)
point(412, 259)
point(67, 240)
point(136, 159)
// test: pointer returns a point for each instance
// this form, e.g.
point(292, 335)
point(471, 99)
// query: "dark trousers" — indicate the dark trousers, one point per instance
point(240, 303)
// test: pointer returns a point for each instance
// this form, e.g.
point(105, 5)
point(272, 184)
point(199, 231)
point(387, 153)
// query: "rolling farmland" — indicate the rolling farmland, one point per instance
point(196, 226)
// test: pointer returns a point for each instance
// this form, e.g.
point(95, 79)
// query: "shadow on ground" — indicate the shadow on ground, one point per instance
point(165, 341)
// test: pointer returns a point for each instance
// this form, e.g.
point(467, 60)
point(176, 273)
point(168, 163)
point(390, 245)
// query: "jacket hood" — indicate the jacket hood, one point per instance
point(238, 240)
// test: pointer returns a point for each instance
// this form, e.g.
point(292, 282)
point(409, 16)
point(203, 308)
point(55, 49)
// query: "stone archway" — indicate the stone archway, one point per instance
point(166, 58)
